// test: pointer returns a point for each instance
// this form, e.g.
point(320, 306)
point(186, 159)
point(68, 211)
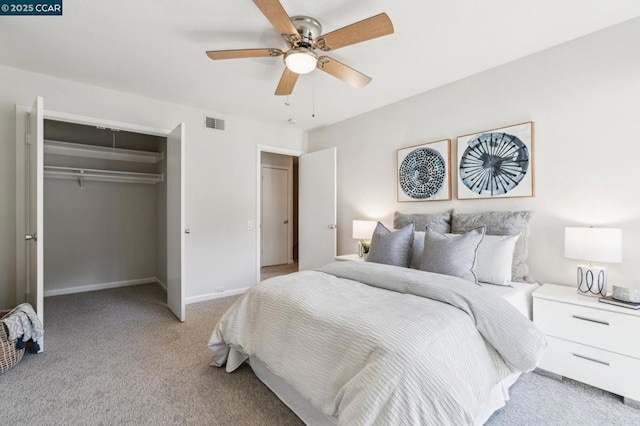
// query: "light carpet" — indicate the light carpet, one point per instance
point(120, 357)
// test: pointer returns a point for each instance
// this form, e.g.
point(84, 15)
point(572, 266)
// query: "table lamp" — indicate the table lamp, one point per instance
point(363, 230)
point(593, 245)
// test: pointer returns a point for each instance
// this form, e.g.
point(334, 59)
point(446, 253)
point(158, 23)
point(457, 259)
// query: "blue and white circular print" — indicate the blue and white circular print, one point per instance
point(494, 163)
point(422, 173)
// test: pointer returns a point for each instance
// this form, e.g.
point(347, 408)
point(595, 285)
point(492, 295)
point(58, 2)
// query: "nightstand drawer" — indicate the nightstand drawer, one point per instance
point(607, 330)
point(606, 370)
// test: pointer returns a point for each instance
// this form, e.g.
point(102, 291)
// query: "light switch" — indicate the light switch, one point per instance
point(249, 224)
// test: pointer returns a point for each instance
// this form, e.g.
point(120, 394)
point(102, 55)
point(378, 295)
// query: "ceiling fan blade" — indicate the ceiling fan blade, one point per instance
point(367, 29)
point(275, 13)
point(343, 72)
point(243, 53)
point(287, 82)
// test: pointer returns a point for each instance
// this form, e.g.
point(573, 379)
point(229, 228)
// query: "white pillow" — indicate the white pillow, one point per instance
point(495, 258)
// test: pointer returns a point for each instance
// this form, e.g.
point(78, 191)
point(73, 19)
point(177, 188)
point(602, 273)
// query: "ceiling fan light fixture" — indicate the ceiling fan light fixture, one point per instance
point(301, 60)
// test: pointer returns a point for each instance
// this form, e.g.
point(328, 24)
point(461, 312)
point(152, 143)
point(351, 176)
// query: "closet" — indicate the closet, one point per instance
point(105, 208)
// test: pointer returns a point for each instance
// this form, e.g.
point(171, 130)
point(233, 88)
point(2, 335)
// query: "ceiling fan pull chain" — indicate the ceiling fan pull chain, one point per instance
point(287, 101)
point(313, 101)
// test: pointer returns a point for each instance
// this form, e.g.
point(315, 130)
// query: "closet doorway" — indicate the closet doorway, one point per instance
point(278, 219)
point(101, 237)
point(105, 208)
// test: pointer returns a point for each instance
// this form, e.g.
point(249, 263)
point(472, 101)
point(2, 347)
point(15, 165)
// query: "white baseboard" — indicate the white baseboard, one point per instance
point(162, 285)
point(103, 286)
point(211, 296)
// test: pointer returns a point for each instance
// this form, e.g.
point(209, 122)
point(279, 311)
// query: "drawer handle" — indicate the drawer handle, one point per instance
point(590, 320)
point(591, 359)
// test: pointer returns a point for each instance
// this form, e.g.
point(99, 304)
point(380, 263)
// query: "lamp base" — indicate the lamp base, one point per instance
point(360, 250)
point(592, 280)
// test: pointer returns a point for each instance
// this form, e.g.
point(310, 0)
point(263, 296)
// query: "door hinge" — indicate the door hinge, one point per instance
point(27, 139)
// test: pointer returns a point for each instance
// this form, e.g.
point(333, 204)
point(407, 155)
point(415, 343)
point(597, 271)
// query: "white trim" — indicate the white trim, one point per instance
point(110, 124)
point(21, 226)
point(161, 285)
point(259, 150)
point(212, 296)
point(103, 286)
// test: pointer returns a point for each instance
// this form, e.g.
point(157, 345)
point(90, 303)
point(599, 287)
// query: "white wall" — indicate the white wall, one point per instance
point(220, 175)
point(103, 233)
point(584, 97)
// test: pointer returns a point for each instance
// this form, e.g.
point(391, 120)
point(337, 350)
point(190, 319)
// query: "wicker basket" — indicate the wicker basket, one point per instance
point(9, 355)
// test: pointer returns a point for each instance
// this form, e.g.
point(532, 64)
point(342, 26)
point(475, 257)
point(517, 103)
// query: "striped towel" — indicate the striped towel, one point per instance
point(23, 323)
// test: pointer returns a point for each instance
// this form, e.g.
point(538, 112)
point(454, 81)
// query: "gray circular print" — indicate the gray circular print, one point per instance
point(494, 163)
point(422, 173)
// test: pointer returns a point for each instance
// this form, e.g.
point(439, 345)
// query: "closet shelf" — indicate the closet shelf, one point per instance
point(82, 175)
point(101, 152)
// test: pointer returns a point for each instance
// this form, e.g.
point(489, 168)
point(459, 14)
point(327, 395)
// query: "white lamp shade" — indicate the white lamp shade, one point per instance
point(363, 229)
point(593, 244)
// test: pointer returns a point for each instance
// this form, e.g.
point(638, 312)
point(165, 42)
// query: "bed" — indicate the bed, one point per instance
point(374, 343)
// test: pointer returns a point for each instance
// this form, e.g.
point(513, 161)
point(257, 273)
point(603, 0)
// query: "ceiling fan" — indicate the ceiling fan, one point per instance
point(303, 35)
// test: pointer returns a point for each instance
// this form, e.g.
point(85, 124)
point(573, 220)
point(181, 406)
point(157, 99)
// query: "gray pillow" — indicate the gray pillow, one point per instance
point(452, 254)
point(501, 223)
point(417, 248)
point(392, 248)
point(440, 222)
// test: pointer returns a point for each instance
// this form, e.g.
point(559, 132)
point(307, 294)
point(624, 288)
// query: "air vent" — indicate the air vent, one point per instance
point(214, 123)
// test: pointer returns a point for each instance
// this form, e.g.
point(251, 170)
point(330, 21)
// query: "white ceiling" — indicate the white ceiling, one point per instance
point(156, 48)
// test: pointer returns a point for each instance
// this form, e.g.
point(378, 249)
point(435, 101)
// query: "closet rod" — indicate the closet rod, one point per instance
point(82, 175)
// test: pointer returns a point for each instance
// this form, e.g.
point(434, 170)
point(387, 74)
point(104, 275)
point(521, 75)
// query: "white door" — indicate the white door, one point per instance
point(34, 169)
point(175, 221)
point(275, 216)
point(317, 208)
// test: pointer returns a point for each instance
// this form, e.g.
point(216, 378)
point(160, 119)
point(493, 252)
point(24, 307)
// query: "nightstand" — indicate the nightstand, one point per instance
point(350, 257)
point(589, 341)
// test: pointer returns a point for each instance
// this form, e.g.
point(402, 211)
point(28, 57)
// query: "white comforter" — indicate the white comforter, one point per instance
point(380, 351)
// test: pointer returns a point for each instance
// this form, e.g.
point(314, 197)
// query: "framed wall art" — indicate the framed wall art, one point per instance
point(424, 172)
point(496, 163)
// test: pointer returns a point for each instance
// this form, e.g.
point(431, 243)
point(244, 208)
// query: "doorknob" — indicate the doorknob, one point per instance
point(332, 226)
point(33, 237)
point(286, 221)
point(187, 231)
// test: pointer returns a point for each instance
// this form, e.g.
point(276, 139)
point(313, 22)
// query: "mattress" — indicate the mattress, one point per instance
point(517, 294)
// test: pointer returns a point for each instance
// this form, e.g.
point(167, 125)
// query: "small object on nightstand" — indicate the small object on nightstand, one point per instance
point(626, 294)
point(593, 244)
point(363, 230)
point(613, 301)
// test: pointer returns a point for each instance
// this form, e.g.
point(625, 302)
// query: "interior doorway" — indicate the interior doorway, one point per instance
point(278, 221)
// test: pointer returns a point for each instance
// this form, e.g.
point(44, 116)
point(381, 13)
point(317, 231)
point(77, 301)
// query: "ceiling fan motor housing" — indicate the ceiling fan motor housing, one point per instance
point(309, 29)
